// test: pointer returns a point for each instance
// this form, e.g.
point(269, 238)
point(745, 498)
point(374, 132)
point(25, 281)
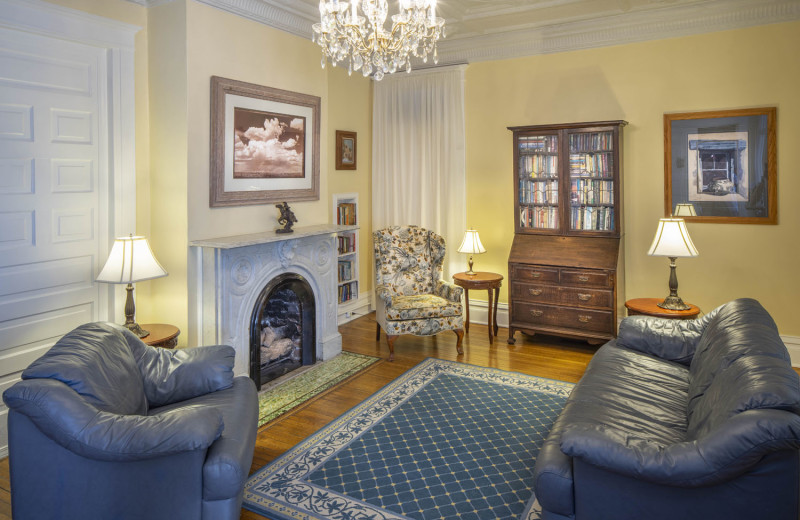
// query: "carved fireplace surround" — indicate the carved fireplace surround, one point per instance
point(230, 273)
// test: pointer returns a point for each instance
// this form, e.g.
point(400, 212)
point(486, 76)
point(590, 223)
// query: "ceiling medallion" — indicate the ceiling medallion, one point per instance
point(363, 42)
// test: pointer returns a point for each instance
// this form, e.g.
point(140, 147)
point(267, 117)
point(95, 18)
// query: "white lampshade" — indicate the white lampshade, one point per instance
point(684, 210)
point(131, 260)
point(672, 239)
point(471, 243)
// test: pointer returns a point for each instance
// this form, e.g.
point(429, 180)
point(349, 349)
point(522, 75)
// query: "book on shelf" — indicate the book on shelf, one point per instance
point(346, 213)
point(347, 244)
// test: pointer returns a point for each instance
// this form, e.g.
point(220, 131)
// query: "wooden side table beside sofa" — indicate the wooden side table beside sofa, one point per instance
point(649, 307)
point(161, 335)
point(478, 281)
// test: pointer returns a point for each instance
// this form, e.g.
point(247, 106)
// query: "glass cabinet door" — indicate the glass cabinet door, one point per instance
point(538, 182)
point(591, 176)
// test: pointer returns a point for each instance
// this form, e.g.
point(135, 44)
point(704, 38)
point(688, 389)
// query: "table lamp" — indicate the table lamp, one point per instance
point(131, 260)
point(471, 245)
point(684, 210)
point(672, 240)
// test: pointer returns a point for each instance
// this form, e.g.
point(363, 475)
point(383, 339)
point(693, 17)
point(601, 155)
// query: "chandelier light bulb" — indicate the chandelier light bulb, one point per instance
point(364, 41)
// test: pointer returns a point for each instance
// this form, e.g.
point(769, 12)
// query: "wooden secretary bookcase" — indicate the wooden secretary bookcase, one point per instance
point(562, 268)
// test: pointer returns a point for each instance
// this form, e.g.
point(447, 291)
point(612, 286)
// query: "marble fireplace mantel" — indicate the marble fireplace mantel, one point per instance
point(230, 272)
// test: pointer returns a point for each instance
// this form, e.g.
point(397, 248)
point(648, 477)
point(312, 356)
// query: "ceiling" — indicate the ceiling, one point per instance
point(479, 30)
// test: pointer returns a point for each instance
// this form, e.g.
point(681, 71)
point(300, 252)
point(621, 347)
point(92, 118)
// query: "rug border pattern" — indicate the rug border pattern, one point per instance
point(305, 501)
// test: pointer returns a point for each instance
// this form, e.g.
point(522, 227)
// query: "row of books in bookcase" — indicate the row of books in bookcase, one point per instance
point(346, 214)
point(348, 291)
point(538, 143)
point(538, 192)
point(591, 191)
point(345, 271)
point(538, 217)
point(591, 142)
point(346, 243)
point(599, 164)
point(592, 218)
point(538, 166)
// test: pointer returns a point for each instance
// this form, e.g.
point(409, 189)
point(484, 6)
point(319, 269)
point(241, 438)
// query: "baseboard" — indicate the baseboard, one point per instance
point(479, 313)
point(355, 308)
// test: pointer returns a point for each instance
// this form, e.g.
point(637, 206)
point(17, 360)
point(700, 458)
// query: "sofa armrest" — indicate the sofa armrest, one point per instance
point(65, 417)
point(448, 291)
point(170, 376)
point(722, 455)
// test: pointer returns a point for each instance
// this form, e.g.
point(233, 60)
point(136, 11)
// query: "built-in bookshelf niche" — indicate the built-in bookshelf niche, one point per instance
point(345, 214)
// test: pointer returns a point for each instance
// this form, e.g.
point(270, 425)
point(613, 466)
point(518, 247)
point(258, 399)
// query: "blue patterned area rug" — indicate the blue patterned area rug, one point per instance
point(444, 440)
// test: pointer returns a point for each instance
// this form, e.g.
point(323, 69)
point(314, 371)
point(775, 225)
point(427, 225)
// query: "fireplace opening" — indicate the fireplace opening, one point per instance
point(282, 329)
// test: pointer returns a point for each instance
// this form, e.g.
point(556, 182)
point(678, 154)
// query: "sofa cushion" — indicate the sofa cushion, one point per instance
point(632, 392)
point(740, 364)
point(421, 306)
point(94, 360)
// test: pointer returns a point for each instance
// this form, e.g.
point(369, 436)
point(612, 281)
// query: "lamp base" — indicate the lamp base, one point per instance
point(673, 303)
point(136, 329)
point(470, 272)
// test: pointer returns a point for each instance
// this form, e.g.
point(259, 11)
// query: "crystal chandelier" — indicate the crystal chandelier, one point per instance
point(364, 43)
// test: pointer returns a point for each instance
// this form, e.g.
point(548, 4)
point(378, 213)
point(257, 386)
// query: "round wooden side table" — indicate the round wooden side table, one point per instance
point(477, 281)
point(161, 335)
point(649, 307)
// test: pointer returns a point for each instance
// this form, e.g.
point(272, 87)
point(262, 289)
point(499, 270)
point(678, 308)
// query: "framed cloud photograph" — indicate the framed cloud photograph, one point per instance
point(346, 150)
point(264, 144)
point(723, 165)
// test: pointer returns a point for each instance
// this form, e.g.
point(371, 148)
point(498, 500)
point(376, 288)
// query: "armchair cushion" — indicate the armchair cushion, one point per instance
point(421, 306)
point(95, 361)
point(449, 291)
point(169, 376)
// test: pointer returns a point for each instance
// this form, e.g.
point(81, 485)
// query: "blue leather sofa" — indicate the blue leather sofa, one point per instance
point(103, 426)
point(679, 420)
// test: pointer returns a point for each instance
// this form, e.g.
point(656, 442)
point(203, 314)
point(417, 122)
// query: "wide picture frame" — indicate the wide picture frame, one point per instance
point(723, 164)
point(264, 146)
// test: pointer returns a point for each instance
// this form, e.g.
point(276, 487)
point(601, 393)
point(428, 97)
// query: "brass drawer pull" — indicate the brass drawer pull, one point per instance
point(536, 275)
point(536, 314)
point(584, 297)
point(584, 318)
point(583, 278)
point(535, 292)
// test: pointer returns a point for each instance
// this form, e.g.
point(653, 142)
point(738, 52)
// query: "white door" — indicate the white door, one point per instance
point(54, 194)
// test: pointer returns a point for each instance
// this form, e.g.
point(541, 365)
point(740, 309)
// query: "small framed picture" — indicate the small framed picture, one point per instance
point(722, 166)
point(345, 150)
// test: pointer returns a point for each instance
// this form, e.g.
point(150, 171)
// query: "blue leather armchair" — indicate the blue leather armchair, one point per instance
point(104, 426)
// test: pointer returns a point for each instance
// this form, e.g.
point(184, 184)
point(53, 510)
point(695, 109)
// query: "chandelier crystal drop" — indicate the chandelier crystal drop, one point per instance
point(362, 42)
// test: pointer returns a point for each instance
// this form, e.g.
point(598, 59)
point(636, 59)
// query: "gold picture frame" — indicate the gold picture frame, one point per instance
point(346, 150)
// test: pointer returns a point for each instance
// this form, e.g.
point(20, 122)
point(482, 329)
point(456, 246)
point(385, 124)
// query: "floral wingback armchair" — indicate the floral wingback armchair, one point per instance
point(411, 296)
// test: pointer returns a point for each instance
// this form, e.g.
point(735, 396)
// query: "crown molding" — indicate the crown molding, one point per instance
point(617, 30)
point(670, 21)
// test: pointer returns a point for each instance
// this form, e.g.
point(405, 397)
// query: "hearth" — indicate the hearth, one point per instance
point(282, 328)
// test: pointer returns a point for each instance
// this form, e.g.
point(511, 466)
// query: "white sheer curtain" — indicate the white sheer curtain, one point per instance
point(418, 156)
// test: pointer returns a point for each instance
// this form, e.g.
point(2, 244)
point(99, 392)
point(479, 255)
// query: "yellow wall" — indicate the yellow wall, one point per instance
point(222, 44)
point(351, 110)
point(168, 301)
point(639, 83)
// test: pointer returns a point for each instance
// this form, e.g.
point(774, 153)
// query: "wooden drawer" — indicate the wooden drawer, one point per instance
point(580, 297)
point(532, 273)
point(585, 278)
point(566, 317)
point(535, 293)
point(585, 319)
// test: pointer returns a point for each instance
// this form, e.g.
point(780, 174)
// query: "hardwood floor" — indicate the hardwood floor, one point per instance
point(541, 356)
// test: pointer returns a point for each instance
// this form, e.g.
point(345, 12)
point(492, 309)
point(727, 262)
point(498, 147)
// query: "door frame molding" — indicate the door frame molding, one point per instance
point(116, 39)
